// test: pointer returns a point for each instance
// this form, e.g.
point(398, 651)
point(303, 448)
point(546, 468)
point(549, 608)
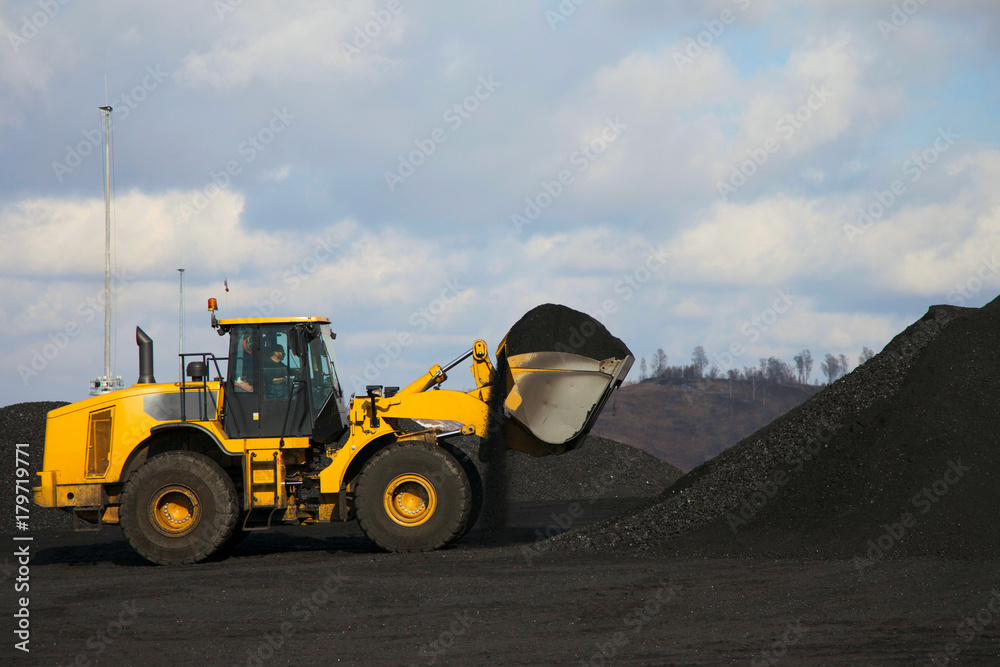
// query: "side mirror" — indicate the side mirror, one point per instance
point(296, 344)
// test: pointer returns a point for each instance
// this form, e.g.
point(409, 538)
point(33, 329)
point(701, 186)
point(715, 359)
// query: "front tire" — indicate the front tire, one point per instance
point(475, 485)
point(413, 496)
point(179, 507)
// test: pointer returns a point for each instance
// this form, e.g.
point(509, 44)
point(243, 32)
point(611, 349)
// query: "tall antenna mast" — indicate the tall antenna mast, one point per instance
point(107, 383)
point(180, 327)
point(107, 241)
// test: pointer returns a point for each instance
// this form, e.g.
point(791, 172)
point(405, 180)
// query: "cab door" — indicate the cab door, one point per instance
point(284, 394)
point(242, 416)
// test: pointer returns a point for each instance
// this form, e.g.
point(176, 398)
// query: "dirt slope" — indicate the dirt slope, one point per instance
point(688, 422)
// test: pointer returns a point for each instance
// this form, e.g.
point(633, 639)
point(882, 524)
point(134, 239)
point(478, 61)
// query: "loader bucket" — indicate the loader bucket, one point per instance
point(560, 367)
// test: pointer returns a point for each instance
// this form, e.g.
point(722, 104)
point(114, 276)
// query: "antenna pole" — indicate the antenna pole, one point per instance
point(107, 383)
point(180, 327)
point(107, 241)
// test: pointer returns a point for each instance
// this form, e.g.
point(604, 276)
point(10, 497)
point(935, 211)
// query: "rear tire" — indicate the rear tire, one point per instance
point(413, 496)
point(179, 507)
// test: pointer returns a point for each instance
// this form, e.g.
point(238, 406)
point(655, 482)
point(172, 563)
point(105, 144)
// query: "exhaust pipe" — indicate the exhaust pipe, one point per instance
point(145, 344)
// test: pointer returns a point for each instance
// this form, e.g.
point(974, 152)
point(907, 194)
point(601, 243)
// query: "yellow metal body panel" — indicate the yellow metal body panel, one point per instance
point(45, 494)
point(79, 495)
point(272, 320)
point(68, 458)
point(445, 405)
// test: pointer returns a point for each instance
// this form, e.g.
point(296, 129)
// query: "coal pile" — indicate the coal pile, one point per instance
point(899, 458)
point(553, 327)
point(598, 468)
point(25, 423)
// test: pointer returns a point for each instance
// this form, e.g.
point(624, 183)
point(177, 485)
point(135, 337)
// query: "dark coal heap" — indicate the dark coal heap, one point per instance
point(899, 458)
point(598, 468)
point(25, 423)
point(555, 327)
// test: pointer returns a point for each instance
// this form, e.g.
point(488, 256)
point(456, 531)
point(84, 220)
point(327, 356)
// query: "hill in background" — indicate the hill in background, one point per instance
point(688, 421)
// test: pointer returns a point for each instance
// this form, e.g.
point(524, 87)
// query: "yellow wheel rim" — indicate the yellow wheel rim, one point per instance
point(175, 510)
point(410, 500)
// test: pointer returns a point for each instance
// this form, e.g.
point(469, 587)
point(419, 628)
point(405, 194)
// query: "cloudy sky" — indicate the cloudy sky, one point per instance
point(753, 175)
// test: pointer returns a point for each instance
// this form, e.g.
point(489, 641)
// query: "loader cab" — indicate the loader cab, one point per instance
point(282, 379)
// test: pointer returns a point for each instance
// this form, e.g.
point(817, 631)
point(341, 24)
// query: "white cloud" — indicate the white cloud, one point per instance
point(300, 42)
point(766, 242)
point(63, 237)
point(931, 248)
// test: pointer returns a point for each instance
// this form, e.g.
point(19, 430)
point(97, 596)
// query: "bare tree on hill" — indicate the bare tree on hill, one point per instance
point(845, 366)
point(659, 363)
point(830, 368)
point(750, 373)
point(778, 372)
point(642, 369)
point(699, 359)
point(803, 364)
point(866, 354)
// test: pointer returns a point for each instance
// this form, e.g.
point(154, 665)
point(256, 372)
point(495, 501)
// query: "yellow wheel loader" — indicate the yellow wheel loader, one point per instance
point(189, 468)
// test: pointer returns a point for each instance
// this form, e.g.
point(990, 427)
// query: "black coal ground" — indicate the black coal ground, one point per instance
point(318, 596)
